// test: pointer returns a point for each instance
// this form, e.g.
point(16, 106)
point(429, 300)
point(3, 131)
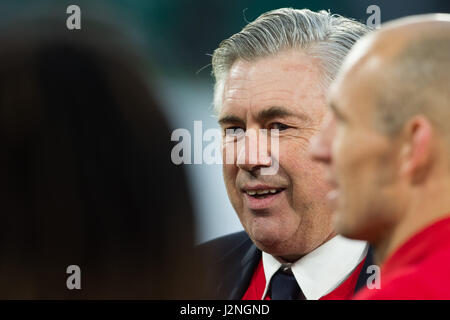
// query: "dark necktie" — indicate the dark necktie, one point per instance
point(283, 286)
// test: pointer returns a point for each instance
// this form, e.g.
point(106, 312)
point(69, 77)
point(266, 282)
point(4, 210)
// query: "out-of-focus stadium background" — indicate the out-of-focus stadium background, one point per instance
point(181, 35)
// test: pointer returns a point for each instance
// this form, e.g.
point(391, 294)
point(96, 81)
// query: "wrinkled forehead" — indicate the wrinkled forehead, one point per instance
point(291, 81)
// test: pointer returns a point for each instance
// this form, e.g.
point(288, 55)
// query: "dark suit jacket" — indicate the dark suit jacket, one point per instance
point(231, 261)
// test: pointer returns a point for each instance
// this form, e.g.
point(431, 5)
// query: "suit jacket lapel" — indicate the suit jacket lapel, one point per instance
point(241, 265)
point(247, 268)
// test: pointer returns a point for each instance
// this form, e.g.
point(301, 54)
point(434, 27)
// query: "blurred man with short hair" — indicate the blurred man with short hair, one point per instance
point(387, 149)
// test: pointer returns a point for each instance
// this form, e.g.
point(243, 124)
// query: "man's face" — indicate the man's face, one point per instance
point(360, 160)
point(290, 217)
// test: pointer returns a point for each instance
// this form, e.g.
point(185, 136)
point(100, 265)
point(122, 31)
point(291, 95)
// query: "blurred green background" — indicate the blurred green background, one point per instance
point(182, 33)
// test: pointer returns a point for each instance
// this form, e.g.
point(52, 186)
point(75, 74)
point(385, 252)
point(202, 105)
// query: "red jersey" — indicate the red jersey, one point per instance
point(419, 269)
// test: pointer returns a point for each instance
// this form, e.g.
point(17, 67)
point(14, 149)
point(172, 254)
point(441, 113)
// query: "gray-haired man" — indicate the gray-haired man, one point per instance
point(273, 75)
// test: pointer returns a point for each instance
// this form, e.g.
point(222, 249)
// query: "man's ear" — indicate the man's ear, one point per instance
point(416, 148)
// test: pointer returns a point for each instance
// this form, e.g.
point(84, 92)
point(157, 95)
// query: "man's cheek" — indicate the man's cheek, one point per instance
point(228, 175)
point(292, 160)
point(229, 153)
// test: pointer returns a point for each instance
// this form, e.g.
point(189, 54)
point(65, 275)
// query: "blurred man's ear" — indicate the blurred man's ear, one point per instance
point(416, 154)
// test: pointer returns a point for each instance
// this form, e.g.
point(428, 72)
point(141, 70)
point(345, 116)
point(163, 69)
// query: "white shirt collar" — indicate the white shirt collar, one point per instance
point(323, 269)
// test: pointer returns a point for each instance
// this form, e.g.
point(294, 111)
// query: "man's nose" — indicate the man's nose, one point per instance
point(321, 144)
point(254, 151)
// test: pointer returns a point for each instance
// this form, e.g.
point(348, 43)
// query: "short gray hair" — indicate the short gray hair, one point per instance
point(327, 37)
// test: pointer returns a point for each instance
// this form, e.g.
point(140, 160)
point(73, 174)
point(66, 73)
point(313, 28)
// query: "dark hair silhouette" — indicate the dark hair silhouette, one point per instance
point(86, 177)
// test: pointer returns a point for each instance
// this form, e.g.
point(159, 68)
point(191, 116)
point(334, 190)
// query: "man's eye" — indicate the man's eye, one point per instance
point(279, 126)
point(234, 131)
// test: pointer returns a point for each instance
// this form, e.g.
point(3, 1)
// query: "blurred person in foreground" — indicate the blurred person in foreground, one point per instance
point(273, 75)
point(387, 150)
point(85, 171)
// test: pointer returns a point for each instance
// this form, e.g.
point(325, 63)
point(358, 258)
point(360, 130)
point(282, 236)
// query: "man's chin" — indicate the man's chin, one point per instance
point(278, 250)
point(268, 231)
point(265, 241)
point(270, 243)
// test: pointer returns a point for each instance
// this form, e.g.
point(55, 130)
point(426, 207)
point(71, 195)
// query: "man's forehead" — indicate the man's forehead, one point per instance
point(252, 79)
point(284, 61)
point(288, 80)
point(352, 94)
point(247, 75)
point(241, 102)
point(358, 70)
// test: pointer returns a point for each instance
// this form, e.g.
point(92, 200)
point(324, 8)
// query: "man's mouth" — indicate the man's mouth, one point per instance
point(262, 197)
point(263, 193)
